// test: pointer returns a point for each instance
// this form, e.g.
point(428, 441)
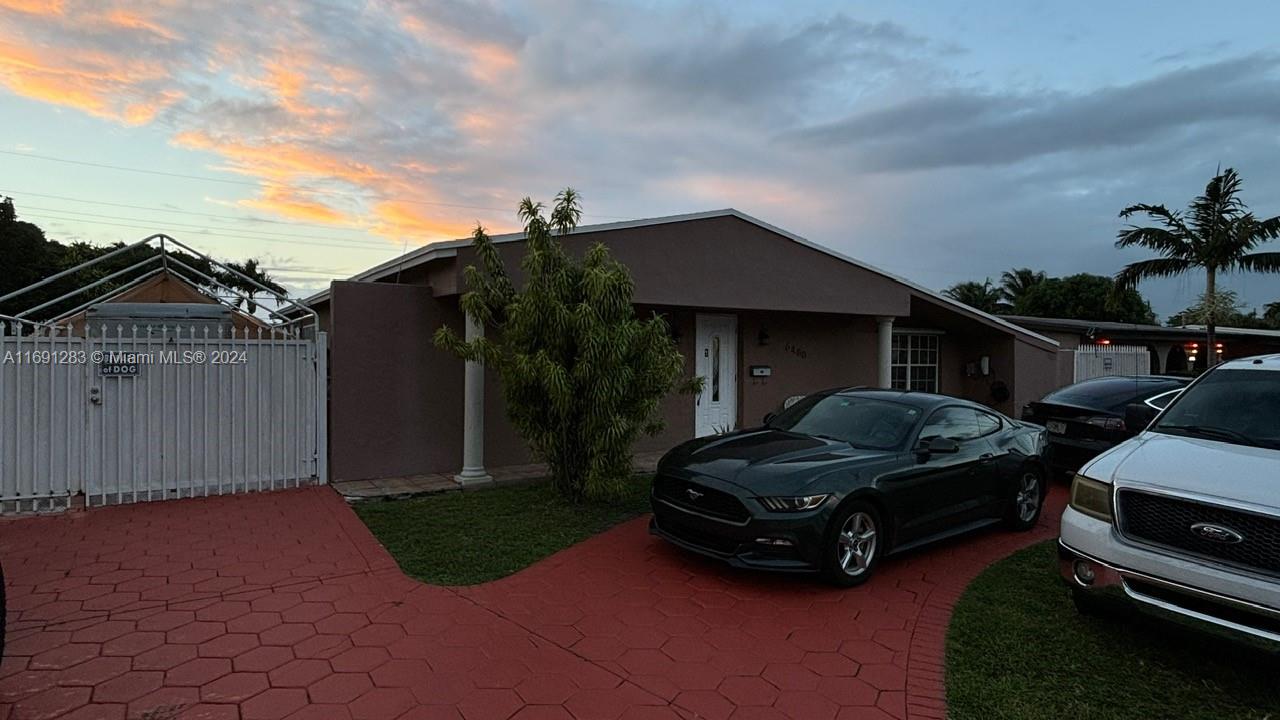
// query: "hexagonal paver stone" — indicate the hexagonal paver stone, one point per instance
point(339, 688)
point(51, 703)
point(127, 687)
point(382, 704)
point(273, 704)
point(299, 673)
point(195, 673)
point(234, 687)
point(262, 659)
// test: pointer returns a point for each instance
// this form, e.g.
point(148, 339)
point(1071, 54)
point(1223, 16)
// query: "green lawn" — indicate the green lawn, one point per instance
point(463, 538)
point(1017, 648)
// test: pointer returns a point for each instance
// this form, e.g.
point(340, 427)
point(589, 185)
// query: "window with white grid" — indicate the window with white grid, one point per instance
point(914, 363)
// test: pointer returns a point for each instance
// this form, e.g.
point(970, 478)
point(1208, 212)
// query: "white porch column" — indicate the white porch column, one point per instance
point(473, 472)
point(884, 356)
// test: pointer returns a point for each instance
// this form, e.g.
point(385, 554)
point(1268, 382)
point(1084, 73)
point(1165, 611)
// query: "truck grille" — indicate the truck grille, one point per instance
point(1166, 522)
point(703, 500)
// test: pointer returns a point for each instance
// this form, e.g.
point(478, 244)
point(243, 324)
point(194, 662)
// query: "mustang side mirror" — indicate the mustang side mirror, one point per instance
point(936, 446)
point(943, 446)
point(1137, 416)
point(768, 418)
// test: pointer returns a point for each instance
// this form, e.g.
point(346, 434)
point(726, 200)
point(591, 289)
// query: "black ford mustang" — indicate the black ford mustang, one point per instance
point(843, 478)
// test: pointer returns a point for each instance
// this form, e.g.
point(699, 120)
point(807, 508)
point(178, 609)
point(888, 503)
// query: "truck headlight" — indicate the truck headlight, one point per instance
point(1091, 497)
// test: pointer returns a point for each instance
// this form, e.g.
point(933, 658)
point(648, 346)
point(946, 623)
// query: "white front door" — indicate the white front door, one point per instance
point(717, 364)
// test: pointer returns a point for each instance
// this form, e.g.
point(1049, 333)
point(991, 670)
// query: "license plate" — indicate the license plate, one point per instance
point(1057, 427)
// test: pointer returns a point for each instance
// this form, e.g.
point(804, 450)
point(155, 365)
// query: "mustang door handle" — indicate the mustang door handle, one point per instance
point(986, 458)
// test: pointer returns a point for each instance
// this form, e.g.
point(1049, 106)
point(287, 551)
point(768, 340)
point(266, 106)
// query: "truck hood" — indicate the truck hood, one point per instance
point(767, 461)
point(1198, 466)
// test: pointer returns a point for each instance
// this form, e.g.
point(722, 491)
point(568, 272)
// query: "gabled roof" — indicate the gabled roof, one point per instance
point(449, 248)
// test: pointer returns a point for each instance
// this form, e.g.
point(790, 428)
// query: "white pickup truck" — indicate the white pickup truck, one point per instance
point(1185, 516)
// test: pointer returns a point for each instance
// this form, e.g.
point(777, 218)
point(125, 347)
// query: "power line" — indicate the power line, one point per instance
point(152, 228)
point(171, 223)
point(260, 183)
point(241, 218)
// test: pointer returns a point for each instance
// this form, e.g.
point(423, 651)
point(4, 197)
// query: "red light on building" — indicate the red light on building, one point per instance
point(1104, 341)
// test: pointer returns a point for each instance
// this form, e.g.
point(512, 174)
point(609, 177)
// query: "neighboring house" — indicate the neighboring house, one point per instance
point(761, 313)
point(164, 299)
point(1170, 350)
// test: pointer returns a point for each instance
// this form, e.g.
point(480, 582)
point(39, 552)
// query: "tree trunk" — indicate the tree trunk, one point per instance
point(1210, 292)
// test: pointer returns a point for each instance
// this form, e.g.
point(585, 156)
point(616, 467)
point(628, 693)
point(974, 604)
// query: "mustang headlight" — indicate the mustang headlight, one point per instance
point(1091, 497)
point(793, 504)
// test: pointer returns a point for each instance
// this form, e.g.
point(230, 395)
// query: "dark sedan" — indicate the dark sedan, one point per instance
point(1088, 418)
point(843, 478)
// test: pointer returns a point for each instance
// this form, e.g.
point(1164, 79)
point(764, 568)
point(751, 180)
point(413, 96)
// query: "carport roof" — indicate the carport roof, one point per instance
point(449, 248)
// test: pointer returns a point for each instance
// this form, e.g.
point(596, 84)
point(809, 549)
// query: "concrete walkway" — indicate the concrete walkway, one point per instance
point(283, 605)
point(392, 488)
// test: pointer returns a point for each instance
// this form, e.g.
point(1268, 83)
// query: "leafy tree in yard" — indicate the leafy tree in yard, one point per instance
point(1217, 234)
point(582, 375)
point(1229, 313)
point(978, 295)
point(1084, 297)
point(1015, 283)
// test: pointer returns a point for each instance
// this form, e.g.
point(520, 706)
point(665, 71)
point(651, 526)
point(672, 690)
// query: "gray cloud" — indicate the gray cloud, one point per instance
point(960, 128)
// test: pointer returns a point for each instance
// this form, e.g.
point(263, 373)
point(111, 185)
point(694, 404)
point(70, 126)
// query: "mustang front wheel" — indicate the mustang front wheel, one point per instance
point(854, 545)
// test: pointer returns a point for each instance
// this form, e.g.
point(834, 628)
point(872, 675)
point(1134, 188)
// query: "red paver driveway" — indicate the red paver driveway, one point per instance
point(282, 605)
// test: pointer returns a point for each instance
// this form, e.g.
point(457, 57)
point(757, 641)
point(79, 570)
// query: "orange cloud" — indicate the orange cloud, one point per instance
point(134, 21)
point(291, 204)
point(34, 7)
point(397, 220)
point(94, 82)
point(487, 62)
point(281, 161)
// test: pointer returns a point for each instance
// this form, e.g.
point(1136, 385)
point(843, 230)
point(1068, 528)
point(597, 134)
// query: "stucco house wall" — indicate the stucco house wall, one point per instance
point(812, 317)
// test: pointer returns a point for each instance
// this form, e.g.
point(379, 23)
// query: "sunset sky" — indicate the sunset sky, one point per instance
point(941, 141)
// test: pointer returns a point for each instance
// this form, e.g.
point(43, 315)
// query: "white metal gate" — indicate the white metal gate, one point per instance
point(155, 412)
point(1105, 360)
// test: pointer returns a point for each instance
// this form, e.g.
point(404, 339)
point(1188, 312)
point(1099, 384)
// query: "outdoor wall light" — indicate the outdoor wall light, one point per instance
point(763, 337)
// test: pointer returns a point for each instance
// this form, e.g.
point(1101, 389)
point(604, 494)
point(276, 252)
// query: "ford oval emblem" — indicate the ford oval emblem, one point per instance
point(1216, 533)
point(693, 494)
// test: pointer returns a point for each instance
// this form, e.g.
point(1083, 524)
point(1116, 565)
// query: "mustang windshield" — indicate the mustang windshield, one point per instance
point(1235, 406)
point(861, 422)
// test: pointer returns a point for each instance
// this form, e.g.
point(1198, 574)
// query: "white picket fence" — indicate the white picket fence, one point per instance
point(1105, 360)
point(156, 412)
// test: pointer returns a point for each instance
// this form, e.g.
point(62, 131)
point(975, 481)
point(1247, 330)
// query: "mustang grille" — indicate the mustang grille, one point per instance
point(1167, 522)
point(700, 499)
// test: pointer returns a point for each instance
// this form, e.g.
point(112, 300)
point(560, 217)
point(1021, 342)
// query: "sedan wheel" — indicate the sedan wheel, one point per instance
point(855, 543)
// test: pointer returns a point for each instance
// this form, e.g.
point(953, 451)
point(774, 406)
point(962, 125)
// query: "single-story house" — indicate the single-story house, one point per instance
point(160, 299)
point(1172, 350)
point(760, 312)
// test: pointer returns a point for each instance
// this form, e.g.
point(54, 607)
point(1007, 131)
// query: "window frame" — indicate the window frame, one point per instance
point(920, 434)
point(918, 338)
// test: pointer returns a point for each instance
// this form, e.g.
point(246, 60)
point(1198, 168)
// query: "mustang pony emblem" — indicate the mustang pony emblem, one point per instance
point(1216, 533)
point(693, 494)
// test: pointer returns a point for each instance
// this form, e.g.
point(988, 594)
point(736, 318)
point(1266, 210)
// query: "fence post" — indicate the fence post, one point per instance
point(322, 407)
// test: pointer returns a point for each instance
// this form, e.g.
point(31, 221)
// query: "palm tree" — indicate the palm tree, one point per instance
point(1015, 283)
point(1271, 314)
point(249, 290)
point(981, 296)
point(1217, 234)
